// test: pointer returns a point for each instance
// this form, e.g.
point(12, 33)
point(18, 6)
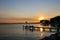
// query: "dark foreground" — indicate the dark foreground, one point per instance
point(55, 36)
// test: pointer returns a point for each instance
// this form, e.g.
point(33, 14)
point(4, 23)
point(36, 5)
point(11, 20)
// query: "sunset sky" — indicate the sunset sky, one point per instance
point(17, 10)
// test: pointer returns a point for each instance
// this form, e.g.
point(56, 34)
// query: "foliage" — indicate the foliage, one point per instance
point(44, 22)
point(55, 21)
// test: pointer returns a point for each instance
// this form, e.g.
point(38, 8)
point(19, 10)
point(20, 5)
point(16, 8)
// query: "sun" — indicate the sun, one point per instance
point(41, 18)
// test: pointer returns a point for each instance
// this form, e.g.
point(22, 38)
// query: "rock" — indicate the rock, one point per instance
point(55, 36)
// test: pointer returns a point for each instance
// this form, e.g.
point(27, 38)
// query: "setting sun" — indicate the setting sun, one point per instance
point(41, 18)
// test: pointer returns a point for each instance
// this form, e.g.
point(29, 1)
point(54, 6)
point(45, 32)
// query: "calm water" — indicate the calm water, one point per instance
point(16, 32)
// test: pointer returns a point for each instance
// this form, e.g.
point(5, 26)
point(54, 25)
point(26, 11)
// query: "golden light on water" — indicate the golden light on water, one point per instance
point(41, 29)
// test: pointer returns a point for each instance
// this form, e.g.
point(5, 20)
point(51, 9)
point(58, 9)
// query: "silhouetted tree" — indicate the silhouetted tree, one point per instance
point(55, 22)
point(41, 21)
point(44, 22)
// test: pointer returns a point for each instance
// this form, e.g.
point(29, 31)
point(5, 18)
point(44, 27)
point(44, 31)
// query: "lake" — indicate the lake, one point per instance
point(17, 32)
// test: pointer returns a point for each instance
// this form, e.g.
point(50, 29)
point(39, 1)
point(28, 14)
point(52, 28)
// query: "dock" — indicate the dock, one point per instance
point(50, 28)
point(42, 28)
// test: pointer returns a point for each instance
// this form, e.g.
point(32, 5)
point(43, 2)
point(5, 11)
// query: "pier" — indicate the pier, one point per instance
point(50, 28)
point(43, 28)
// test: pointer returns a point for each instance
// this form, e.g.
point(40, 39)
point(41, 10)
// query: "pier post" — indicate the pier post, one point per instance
point(50, 30)
point(43, 29)
point(57, 29)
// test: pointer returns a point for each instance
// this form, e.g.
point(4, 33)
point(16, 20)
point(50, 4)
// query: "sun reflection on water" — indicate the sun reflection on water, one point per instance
point(41, 29)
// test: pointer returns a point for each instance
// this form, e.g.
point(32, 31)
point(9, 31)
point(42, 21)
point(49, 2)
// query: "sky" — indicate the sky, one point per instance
point(28, 9)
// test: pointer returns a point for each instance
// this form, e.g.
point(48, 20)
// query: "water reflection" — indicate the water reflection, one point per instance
point(41, 29)
point(18, 32)
point(41, 34)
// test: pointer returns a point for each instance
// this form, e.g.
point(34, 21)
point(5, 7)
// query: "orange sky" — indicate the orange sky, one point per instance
point(17, 21)
point(12, 11)
point(21, 20)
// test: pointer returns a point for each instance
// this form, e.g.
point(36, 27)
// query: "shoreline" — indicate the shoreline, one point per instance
point(55, 36)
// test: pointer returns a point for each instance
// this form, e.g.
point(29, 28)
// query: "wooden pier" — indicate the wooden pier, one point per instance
point(50, 28)
point(43, 28)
